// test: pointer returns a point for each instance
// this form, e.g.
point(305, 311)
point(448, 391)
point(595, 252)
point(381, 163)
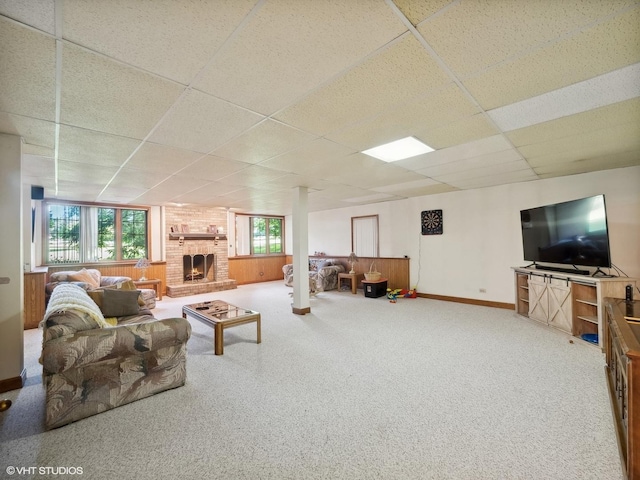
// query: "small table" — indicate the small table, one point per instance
point(221, 315)
point(153, 283)
point(354, 278)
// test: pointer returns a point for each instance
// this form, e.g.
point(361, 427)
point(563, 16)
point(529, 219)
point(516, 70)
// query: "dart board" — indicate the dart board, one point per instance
point(431, 222)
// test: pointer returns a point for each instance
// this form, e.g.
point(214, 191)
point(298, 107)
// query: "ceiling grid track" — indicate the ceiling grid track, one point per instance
point(58, 6)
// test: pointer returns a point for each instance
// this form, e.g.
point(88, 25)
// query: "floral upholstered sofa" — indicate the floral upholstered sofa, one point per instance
point(96, 358)
point(324, 271)
point(92, 279)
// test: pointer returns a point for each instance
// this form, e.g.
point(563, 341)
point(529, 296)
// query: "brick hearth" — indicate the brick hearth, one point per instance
point(196, 288)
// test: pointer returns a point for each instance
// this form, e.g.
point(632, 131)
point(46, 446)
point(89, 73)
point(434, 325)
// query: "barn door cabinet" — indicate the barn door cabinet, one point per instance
point(550, 301)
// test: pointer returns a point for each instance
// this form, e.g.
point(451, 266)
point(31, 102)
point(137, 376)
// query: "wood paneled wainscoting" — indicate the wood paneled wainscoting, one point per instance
point(254, 269)
point(395, 270)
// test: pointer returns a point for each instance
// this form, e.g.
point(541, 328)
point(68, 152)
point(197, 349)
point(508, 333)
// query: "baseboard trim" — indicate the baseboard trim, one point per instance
point(300, 311)
point(470, 301)
point(13, 383)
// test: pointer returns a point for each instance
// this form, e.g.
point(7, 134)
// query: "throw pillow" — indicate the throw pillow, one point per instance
point(84, 276)
point(129, 285)
point(96, 296)
point(120, 303)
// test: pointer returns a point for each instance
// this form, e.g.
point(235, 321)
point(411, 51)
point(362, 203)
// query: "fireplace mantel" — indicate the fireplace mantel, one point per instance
point(196, 236)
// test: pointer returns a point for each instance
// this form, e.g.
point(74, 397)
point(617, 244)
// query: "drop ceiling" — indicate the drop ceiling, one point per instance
point(234, 103)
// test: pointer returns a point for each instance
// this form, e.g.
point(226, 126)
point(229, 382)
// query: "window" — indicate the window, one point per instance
point(93, 233)
point(259, 235)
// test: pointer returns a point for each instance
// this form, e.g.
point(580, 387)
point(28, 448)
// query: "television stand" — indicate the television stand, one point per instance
point(566, 301)
point(574, 271)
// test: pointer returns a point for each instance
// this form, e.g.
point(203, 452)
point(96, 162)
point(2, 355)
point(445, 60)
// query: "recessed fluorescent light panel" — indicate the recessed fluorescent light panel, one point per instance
point(399, 150)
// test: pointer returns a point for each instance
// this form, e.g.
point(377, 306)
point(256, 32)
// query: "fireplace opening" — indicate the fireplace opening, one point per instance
point(196, 268)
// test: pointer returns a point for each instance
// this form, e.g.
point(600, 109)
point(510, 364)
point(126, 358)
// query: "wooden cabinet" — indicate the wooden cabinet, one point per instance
point(622, 353)
point(571, 303)
point(34, 295)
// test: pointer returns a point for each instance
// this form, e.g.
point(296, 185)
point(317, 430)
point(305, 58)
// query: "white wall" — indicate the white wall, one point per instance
point(482, 237)
point(11, 257)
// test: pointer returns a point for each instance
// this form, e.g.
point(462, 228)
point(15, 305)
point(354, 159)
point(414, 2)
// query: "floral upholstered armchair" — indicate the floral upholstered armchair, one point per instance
point(324, 271)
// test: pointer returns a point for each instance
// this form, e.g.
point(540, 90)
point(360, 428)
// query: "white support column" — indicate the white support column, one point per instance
point(13, 214)
point(300, 224)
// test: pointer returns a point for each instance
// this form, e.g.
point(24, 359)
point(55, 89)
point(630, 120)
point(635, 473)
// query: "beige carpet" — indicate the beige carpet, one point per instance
point(359, 389)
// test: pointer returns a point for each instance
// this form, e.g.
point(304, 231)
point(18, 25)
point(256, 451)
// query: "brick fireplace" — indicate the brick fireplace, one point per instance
point(197, 260)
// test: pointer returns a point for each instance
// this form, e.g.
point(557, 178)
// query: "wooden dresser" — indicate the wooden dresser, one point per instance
point(622, 351)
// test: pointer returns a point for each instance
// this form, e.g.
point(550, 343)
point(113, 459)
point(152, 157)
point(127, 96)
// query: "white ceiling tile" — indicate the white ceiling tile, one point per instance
point(603, 48)
point(202, 123)
point(399, 188)
point(39, 14)
point(591, 121)
point(103, 95)
point(476, 148)
point(473, 35)
point(121, 194)
point(498, 179)
point(418, 10)
point(263, 141)
point(606, 89)
point(35, 132)
point(38, 167)
point(616, 138)
point(603, 162)
point(478, 163)
point(458, 178)
point(291, 180)
point(192, 31)
point(315, 158)
point(78, 191)
point(130, 178)
point(253, 176)
point(289, 48)
point(402, 71)
point(38, 150)
point(162, 158)
point(413, 118)
point(178, 185)
point(373, 198)
point(27, 71)
point(92, 147)
point(206, 193)
point(212, 168)
point(85, 173)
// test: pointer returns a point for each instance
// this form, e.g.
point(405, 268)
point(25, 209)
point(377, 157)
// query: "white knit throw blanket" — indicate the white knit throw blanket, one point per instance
point(68, 296)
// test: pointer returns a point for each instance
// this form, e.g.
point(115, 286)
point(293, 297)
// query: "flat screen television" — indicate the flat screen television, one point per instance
point(571, 233)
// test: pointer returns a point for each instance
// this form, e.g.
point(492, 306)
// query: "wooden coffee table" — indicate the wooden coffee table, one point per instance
point(221, 315)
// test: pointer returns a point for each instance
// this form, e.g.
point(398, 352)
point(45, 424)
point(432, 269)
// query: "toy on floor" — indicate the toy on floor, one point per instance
point(393, 295)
